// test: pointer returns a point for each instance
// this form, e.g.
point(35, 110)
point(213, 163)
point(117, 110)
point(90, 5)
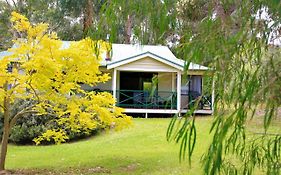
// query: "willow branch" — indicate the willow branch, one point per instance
point(266, 86)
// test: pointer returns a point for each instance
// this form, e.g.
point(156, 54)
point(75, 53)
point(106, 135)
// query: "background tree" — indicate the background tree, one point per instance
point(124, 21)
point(64, 23)
point(5, 35)
point(235, 41)
point(137, 21)
point(39, 69)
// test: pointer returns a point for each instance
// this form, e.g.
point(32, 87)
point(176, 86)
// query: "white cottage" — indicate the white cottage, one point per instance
point(150, 79)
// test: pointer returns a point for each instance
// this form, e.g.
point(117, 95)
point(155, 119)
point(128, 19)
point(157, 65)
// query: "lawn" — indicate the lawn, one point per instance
point(141, 149)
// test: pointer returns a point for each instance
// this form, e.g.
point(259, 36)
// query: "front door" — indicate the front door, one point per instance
point(133, 85)
point(195, 84)
point(191, 90)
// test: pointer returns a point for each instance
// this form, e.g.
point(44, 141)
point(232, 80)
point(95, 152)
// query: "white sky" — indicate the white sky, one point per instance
point(274, 35)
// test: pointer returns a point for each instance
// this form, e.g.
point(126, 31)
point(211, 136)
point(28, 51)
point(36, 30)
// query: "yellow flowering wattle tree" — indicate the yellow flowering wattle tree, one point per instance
point(41, 70)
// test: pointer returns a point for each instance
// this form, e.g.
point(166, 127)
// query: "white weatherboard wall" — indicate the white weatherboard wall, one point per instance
point(184, 92)
point(164, 83)
point(147, 64)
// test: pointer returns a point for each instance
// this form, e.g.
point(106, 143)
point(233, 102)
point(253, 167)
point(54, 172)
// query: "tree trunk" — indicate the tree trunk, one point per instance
point(6, 133)
point(128, 30)
point(88, 16)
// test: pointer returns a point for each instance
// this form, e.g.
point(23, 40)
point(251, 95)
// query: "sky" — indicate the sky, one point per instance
point(274, 35)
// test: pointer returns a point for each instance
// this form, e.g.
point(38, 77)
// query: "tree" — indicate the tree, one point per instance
point(86, 10)
point(235, 40)
point(125, 21)
point(137, 21)
point(4, 26)
point(39, 69)
point(65, 23)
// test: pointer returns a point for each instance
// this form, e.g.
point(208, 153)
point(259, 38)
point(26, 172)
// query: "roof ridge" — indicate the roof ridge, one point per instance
point(140, 45)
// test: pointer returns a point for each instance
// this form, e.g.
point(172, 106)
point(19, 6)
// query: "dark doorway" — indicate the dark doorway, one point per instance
point(195, 84)
point(133, 85)
point(195, 90)
point(135, 80)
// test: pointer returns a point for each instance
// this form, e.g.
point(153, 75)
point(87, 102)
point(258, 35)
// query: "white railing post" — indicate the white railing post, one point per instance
point(213, 95)
point(173, 82)
point(114, 79)
point(178, 91)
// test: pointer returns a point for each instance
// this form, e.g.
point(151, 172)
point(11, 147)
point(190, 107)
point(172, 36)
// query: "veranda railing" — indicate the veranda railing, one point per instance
point(146, 99)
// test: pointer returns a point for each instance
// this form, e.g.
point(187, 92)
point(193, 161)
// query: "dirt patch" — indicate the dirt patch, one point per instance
point(99, 169)
point(130, 168)
point(261, 112)
point(69, 171)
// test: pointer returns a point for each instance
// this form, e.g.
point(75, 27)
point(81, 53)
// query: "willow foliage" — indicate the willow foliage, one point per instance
point(236, 41)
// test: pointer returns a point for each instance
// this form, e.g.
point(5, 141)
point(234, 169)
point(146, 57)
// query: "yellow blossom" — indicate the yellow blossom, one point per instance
point(51, 76)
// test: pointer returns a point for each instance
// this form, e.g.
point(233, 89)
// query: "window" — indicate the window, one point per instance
point(147, 86)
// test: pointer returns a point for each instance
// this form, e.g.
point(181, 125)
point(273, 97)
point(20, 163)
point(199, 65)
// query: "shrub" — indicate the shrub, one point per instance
point(31, 126)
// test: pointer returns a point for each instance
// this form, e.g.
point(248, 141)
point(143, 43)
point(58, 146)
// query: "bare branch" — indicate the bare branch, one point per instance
point(8, 3)
point(15, 4)
point(55, 27)
point(25, 111)
point(21, 113)
point(16, 117)
point(35, 93)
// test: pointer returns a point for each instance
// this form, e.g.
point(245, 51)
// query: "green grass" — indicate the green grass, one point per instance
point(141, 149)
